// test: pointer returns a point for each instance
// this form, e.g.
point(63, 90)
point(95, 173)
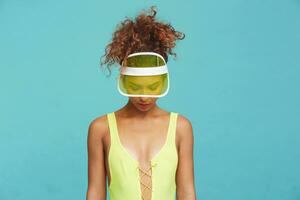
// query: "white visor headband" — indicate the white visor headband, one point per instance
point(146, 75)
point(144, 71)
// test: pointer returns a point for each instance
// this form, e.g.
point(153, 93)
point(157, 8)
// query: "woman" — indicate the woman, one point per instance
point(145, 152)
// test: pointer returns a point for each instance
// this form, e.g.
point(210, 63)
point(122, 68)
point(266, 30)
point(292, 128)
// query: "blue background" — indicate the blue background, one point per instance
point(236, 78)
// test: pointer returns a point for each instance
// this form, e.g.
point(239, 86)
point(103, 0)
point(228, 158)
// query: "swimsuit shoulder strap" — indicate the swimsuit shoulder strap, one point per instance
point(173, 124)
point(112, 127)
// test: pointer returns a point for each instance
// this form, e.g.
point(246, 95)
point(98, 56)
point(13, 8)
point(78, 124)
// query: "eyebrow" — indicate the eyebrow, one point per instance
point(134, 83)
point(139, 85)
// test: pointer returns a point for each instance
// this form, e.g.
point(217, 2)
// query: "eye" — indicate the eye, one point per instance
point(154, 86)
point(134, 87)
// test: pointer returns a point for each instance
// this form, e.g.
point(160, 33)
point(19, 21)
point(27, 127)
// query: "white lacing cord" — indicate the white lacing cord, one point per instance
point(146, 172)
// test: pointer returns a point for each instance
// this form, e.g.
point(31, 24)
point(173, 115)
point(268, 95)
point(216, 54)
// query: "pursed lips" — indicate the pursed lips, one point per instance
point(144, 104)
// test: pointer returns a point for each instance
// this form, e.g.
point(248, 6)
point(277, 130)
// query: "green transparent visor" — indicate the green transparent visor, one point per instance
point(144, 74)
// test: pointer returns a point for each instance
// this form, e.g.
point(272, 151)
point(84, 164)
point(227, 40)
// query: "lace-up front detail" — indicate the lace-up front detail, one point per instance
point(145, 185)
point(132, 180)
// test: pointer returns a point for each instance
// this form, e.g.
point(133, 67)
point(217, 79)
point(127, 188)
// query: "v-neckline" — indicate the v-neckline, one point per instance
point(129, 154)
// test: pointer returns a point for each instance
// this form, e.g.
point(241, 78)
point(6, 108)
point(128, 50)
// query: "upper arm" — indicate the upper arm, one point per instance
point(96, 164)
point(185, 169)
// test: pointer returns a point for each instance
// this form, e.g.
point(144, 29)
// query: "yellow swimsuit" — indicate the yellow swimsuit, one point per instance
point(126, 182)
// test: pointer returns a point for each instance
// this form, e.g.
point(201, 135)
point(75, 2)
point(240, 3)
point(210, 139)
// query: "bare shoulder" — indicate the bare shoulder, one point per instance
point(183, 123)
point(184, 127)
point(98, 128)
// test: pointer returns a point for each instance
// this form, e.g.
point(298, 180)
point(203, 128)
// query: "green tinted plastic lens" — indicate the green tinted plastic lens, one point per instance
point(155, 84)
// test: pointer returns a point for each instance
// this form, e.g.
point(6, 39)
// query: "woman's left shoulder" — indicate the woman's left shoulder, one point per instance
point(183, 123)
point(184, 130)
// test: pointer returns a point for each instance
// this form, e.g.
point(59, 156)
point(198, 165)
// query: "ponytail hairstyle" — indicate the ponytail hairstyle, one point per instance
point(144, 33)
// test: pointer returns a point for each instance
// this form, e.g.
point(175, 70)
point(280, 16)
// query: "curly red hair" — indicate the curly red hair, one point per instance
point(144, 33)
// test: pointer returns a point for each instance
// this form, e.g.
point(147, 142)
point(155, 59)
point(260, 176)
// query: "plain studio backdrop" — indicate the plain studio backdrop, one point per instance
point(236, 78)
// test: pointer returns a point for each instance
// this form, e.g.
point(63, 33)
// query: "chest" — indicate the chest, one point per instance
point(140, 155)
point(142, 140)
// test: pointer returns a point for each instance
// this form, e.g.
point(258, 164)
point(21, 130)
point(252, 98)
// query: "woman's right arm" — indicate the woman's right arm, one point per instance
point(96, 166)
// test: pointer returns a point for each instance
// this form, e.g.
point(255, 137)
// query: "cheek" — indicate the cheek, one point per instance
point(154, 100)
point(133, 99)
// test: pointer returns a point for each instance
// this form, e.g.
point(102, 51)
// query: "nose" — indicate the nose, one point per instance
point(144, 91)
point(144, 99)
